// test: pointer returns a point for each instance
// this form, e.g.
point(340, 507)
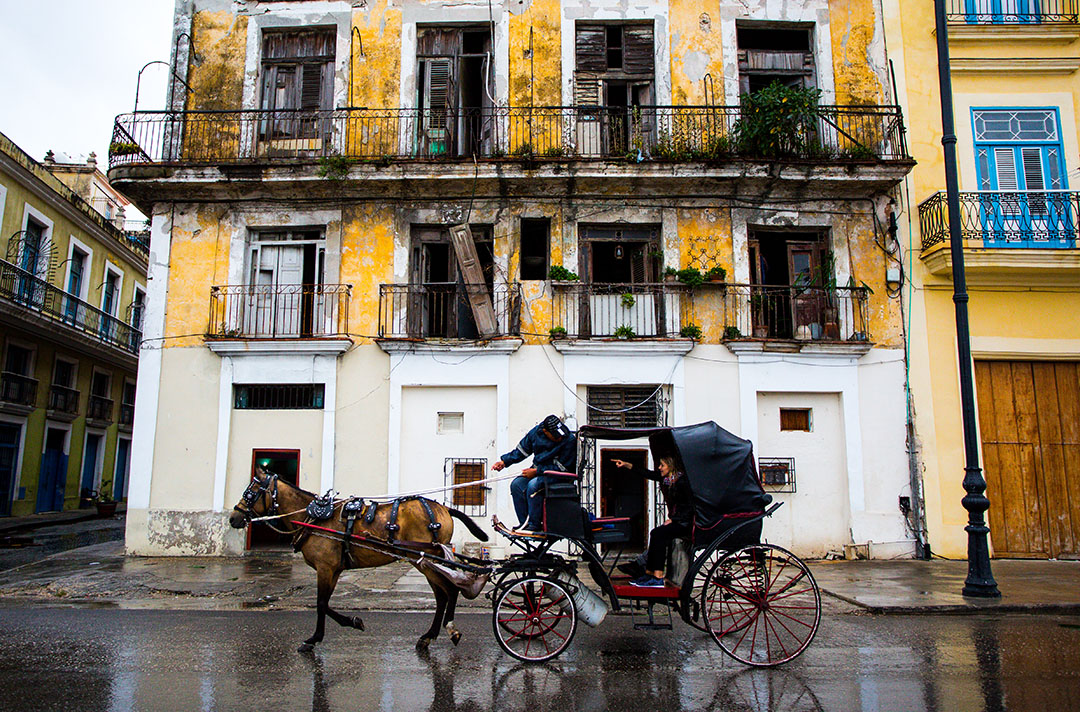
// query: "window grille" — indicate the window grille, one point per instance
point(625, 406)
point(471, 500)
point(777, 474)
point(278, 396)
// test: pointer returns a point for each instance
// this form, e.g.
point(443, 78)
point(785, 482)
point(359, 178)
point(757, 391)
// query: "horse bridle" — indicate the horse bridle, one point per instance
point(256, 489)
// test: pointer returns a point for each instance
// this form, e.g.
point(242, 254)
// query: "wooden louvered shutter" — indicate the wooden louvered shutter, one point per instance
point(587, 88)
point(638, 49)
point(591, 47)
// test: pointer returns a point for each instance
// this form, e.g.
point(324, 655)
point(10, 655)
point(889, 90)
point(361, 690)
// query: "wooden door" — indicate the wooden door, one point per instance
point(1029, 419)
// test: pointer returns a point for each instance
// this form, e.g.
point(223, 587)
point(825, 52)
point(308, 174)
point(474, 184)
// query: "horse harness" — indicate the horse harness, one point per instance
point(322, 508)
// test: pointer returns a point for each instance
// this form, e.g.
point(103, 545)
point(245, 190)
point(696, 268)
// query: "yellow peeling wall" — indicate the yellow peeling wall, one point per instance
point(854, 25)
point(696, 51)
point(375, 48)
point(200, 259)
point(215, 72)
point(536, 55)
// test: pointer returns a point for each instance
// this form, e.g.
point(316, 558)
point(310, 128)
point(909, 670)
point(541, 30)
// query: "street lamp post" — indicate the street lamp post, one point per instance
point(980, 580)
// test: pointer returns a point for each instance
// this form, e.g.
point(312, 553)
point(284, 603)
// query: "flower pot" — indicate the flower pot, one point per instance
point(761, 331)
point(106, 509)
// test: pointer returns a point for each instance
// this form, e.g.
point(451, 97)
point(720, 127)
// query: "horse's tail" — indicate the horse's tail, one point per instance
point(469, 523)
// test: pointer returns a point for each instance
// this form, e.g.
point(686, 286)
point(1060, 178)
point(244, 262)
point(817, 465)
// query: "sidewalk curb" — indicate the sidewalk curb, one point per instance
point(960, 610)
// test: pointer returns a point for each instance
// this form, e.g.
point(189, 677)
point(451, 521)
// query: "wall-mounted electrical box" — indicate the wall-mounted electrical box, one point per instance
point(892, 275)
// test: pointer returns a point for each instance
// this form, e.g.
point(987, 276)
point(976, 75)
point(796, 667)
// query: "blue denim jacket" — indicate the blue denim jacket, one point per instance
point(556, 457)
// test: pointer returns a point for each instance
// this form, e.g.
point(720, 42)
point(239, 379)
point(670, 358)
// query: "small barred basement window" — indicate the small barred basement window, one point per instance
point(461, 471)
point(278, 396)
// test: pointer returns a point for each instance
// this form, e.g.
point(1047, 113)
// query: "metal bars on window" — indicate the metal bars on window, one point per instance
point(470, 499)
point(279, 396)
point(777, 474)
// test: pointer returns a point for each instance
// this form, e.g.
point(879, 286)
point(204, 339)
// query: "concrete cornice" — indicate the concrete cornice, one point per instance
point(497, 346)
point(1041, 34)
point(1010, 266)
point(1015, 65)
point(850, 349)
point(283, 347)
point(624, 347)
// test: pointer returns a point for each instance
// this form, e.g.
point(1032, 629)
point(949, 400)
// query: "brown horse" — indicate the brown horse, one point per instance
point(267, 495)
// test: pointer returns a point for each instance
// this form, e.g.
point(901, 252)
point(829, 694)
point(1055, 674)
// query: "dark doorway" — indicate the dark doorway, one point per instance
point(53, 479)
point(439, 303)
point(784, 266)
point(622, 492)
point(286, 465)
point(620, 255)
point(9, 458)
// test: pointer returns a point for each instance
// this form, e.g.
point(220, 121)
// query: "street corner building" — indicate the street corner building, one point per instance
point(1015, 86)
point(72, 290)
point(389, 237)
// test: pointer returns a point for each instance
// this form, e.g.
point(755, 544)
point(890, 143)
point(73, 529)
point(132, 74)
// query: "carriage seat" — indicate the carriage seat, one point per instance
point(610, 530)
point(562, 505)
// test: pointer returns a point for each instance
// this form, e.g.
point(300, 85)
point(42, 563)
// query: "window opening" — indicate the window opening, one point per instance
point(100, 384)
point(451, 423)
point(625, 406)
point(615, 68)
point(439, 298)
point(620, 254)
point(64, 373)
point(770, 52)
point(278, 396)
point(535, 247)
point(795, 419)
point(472, 500)
point(18, 360)
point(784, 266)
point(455, 90)
point(297, 82)
point(287, 271)
point(777, 474)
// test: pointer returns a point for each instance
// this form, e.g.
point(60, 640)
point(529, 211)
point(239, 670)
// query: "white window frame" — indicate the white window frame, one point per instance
point(73, 362)
point(29, 211)
point(90, 389)
point(116, 465)
point(84, 288)
point(114, 269)
point(99, 465)
point(136, 290)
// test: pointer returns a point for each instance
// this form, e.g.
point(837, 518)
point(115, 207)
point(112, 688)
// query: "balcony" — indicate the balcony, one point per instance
point(444, 310)
point(37, 296)
point(18, 390)
point(532, 134)
point(288, 311)
point(1027, 219)
point(1011, 12)
point(99, 409)
point(63, 401)
point(796, 313)
point(623, 311)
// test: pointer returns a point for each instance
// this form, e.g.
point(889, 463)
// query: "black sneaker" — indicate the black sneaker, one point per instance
point(648, 581)
point(631, 568)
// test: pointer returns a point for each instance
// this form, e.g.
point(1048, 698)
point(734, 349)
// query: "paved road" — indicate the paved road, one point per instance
point(21, 548)
point(121, 659)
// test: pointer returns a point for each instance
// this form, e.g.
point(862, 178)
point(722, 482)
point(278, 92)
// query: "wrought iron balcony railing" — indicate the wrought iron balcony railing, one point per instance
point(34, 293)
point(801, 313)
point(99, 408)
point(1011, 12)
point(643, 133)
point(1044, 219)
point(18, 389)
point(63, 399)
point(443, 310)
point(279, 311)
point(646, 310)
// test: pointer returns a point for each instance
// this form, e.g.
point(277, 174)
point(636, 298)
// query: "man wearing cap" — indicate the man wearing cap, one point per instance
point(554, 449)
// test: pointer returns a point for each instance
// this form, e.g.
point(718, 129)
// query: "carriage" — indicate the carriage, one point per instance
point(758, 602)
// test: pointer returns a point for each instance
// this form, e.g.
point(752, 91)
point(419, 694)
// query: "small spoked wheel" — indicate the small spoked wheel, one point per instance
point(761, 604)
point(534, 618)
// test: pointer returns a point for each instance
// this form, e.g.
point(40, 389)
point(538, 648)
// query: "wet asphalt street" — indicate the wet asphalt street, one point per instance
point(121, 659)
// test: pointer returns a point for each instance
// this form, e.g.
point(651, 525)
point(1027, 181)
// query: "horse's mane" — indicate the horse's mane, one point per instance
point(298, 488)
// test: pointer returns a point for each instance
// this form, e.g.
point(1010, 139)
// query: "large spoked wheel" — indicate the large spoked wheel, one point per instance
point(534, 618)
point(762, 605)
point(694, 584)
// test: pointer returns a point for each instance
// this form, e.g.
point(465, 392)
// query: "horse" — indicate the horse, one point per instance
point(416, 532)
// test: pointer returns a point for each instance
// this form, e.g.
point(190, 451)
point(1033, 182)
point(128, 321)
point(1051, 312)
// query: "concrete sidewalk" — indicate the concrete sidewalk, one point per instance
point(102, 575)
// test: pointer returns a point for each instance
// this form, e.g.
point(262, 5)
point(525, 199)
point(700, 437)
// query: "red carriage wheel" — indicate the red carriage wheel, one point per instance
point(761, 604)
point(534, 618)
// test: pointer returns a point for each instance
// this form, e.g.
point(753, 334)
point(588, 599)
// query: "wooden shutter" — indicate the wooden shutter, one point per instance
point(587, 88)
point(591, 48)
point(473, 274)
point(638, 49)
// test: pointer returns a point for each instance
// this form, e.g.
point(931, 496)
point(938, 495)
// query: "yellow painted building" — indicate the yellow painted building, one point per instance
point(71, 292)
point(320, 305)
point(1016, 89)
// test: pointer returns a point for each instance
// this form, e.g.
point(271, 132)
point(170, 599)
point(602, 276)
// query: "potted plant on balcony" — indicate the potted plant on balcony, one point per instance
point(691, 277)
point(558, 273)
point(557, 332)
point(715, 273)
point(106, 505)
point(624, 332)
point(671, 274)
point(758, 305)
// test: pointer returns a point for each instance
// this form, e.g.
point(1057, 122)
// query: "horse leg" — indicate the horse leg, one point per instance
point(326, 582)
point(448, 617)
point(433, 631)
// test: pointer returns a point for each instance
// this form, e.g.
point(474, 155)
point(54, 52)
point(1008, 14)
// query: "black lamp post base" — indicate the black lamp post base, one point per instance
point(981, 590)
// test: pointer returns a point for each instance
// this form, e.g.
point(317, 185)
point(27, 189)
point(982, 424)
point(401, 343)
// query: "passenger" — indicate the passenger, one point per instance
point(677, 495)
point(554, 449)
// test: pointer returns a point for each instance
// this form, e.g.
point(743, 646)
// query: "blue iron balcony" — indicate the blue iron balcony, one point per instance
point(1011, 12)
point(1021, 219)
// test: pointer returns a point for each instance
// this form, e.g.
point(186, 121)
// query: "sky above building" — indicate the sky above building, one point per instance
point(68, 67)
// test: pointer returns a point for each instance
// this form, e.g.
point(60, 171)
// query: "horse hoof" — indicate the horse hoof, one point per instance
point(455, 637)
point(422, 644)
point(357, 623)
point(305, 647)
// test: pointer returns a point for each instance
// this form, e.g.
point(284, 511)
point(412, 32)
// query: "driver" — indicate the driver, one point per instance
point(676, 491)
point(554, 449)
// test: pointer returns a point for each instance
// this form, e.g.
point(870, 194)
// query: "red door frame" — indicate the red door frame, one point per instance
point(256, 453)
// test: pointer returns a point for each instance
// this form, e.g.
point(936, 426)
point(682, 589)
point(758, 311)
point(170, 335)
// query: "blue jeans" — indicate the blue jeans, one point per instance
point(529, 499)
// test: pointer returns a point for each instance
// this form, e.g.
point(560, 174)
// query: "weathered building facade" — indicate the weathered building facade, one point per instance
point(388, 237)
point(72, 285)
point(1016, 89)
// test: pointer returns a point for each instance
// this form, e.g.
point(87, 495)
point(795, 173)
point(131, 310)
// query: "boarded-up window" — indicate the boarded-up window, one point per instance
point(459, 472)
point(769, 53)
point(795, 419)
point(622, 48)
point(625, 406)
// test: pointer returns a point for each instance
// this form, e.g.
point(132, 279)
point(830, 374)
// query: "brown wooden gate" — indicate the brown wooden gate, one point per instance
point(1029, 419)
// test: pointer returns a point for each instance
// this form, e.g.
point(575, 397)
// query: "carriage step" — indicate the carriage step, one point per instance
point(652, 626)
